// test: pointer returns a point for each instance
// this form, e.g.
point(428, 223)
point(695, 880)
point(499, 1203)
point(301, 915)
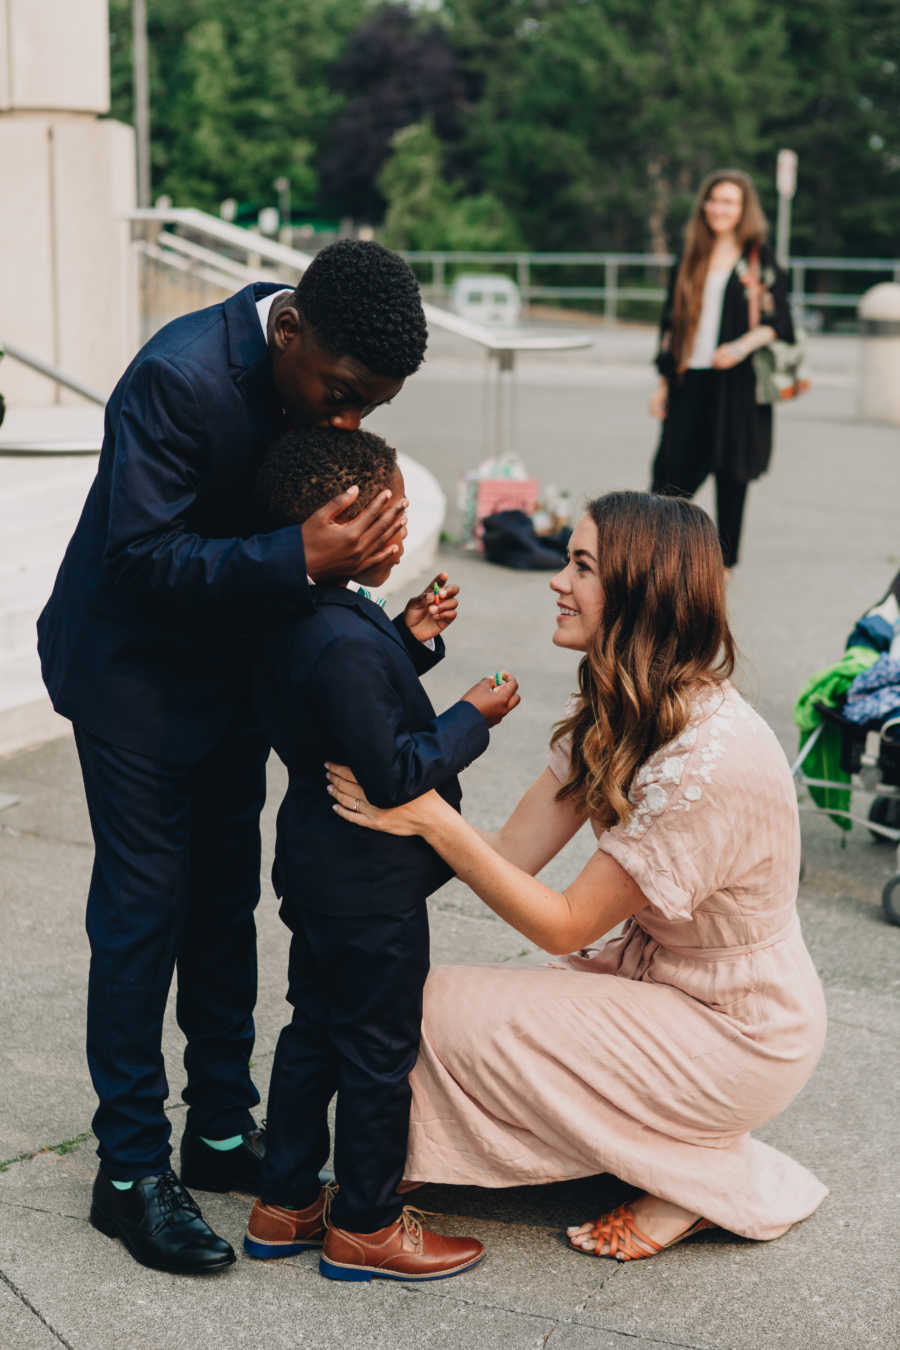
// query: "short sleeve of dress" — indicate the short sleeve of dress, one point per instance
point(682, 824)
point(561, 753)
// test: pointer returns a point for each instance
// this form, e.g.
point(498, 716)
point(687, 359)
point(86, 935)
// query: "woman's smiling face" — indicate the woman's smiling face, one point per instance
point(579, 596)
point(724, 207)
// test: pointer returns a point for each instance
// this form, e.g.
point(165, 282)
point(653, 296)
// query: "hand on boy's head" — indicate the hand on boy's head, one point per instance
point(494, 700)
point(428, 614)
point(337, 549)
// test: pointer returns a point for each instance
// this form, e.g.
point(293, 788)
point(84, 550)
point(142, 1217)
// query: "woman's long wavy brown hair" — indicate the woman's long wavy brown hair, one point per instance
point(663, 630)
point(752, 228)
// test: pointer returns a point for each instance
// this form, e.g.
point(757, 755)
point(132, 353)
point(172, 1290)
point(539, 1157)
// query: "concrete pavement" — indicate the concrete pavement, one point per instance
point(822, 543)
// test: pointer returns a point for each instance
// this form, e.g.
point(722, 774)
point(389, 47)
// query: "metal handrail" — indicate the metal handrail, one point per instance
point(73, 445)
point(192, 252)
point(257, 248)
point(216, 276)
point(612, 292)
point(649, 259)
point(53, 373)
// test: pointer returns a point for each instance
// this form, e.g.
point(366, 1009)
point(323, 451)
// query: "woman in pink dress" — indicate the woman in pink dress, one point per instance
point(650, 1054)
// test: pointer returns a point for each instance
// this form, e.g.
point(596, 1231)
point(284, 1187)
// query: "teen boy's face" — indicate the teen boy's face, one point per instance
point(318, 388)
point(377, 576)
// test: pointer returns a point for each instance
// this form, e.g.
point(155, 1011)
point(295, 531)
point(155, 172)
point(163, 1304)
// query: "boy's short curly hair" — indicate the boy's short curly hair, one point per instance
point(303, 470)
point(363, 301)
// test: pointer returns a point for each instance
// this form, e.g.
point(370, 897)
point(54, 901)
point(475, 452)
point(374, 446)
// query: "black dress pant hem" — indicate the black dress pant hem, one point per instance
point(355, 984)
point(174, 886)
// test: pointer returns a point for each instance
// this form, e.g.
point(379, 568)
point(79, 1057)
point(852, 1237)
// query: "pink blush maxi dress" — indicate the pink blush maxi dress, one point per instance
point(653, 1055)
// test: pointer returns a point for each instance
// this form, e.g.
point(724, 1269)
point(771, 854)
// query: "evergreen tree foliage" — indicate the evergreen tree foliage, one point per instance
point(395, 71)
point(238, 92)
point(563, 124)
point(428, 212)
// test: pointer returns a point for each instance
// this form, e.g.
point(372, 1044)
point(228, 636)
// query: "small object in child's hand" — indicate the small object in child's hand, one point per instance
point(498, 679)
point(437, 591)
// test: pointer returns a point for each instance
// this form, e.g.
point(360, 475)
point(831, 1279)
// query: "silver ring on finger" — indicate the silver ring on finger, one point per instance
point(355, 803)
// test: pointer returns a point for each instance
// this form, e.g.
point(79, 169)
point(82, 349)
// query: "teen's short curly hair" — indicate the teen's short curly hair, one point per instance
point(303, 470)
point(363, 301)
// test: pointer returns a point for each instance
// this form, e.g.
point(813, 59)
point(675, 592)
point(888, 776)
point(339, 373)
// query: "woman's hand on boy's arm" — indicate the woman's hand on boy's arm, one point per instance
point(427, 615)
point(559, 921)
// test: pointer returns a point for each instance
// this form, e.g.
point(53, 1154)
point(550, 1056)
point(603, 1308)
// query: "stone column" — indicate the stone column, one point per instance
point(69, 294)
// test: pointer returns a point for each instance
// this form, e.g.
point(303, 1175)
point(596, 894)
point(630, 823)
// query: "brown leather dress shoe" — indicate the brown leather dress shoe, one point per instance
point(273, 1231)
point(405, 1250)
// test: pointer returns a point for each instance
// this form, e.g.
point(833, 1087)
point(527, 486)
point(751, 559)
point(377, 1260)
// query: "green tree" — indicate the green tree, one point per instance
point(425, 211)
point(597, 119)
point(845, 125)
point(566, 124)
point(238, 95)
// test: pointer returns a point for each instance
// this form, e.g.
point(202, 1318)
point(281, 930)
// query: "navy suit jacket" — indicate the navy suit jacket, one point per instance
point(340, 685)
point(148, 636)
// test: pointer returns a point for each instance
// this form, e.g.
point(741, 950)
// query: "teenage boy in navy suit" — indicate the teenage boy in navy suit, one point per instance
point(340, 685)
point(146, 645)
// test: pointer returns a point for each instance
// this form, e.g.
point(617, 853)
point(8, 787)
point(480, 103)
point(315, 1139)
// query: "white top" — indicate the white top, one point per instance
point(706, 338)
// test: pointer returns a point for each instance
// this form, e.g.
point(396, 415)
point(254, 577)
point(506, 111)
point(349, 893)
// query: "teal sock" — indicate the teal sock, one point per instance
point(123, 1185)
point(224, 1145)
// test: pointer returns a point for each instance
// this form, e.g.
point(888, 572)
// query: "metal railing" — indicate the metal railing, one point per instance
point(265, 258)
point(611, 266)
point(52, 373)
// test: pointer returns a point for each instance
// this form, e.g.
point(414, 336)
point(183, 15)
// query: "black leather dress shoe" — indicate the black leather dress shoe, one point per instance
point(160, 1225)
point(210, 1169)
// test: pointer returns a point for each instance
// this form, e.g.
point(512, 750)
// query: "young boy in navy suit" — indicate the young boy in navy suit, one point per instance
point(341, 685)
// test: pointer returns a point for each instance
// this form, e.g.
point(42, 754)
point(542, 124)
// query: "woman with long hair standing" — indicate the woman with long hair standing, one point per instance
point(706, 398)
point(652, 1053)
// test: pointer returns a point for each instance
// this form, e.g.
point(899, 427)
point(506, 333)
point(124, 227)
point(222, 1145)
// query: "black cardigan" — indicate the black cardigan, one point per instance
point(743, 437)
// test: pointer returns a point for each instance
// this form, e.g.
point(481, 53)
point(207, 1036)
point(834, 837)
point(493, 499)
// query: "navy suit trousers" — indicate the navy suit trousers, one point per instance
point(355, 984)
point(174, 885)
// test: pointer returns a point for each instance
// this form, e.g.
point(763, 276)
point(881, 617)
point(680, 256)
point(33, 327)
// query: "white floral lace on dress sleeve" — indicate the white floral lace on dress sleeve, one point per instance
point(670, 844)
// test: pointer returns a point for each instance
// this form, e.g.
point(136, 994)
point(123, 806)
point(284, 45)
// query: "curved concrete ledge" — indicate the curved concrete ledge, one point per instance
point(427, 508)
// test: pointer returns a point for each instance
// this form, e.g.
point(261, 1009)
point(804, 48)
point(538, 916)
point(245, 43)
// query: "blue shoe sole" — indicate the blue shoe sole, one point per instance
point(360, 1275)
point(267, 1251)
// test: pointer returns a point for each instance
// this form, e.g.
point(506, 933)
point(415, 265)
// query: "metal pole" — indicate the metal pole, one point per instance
point(610, 301)
point(283, 187)
point(523, 276)
point(786, 186)
point(141, 99)
point(783, 229)
point(798, 292)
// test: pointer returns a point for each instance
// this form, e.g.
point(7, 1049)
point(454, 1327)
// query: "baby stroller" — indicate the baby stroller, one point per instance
point(849, 720)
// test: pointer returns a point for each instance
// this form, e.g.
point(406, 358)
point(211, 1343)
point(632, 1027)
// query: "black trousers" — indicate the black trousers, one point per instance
point(688, 453)
point(174, 885)
point(355, 984)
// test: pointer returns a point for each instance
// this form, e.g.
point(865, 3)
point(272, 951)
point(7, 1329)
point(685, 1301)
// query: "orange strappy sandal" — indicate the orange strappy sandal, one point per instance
point(618, 1230)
